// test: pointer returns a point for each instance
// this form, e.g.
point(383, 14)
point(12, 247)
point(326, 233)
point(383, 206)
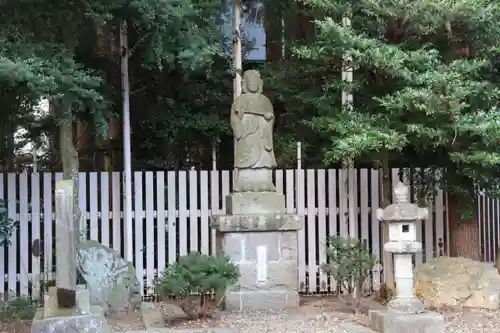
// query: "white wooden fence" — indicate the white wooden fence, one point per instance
point(171, 218)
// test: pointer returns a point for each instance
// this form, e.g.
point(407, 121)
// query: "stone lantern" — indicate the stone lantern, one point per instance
point(402, 217)
point(405, 312)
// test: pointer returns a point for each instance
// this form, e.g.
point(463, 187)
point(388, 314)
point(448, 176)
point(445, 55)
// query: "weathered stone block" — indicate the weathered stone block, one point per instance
point(288, 245)
point(250, 222)
point(255, 203)
point(268, 239)
point(394, 322)
point(280, 275)
point(69, 321)
point(261, 300)
point(242, 247)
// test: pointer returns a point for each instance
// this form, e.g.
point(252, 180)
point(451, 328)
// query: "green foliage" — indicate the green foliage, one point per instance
point(197, 273)
point(179, 33)
point(16, 308)
point(7, 225)
point(349, 260)
point(425, 85)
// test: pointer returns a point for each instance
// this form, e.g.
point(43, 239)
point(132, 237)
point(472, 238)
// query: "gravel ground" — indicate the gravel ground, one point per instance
point(317, 317)
point(323, 315)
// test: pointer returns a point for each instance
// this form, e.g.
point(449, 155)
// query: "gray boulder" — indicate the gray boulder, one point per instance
point(112, 281)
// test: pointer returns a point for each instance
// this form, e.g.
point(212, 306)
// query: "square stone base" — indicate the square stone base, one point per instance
point(394, 322)
point(261, 300)
point(94, 322)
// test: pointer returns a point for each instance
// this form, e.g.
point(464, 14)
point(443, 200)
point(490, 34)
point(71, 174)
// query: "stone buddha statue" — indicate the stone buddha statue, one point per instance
point(252, 121)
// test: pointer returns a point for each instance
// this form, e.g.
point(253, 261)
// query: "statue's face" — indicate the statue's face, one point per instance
point(252, 83)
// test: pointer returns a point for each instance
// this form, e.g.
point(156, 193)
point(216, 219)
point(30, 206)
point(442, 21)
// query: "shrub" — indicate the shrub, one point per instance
point(17, 308)
point(198, 274)
point(349, 263)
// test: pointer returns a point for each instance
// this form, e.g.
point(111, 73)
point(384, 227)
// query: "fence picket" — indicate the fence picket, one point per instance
point(205, 229)
point(160, 220)
point(138, 225)
point(428, 232)
point(193, 211)
point(13, 247)
point(94, 209)
point(343, 204)
point(116, 204)
point(105, 208)
point(290, 192)
point(301, 246)
point(214, 205)
point(321, 176)
point(82, 200)
point(24, 245)
point(364, 208)
point(172, 218)
point(375, 223)
point(312, 241)
point(150, 231)
point(47, 226)
point(183, 239)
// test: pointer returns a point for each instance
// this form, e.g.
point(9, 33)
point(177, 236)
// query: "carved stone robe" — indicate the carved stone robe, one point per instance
point(252, 120)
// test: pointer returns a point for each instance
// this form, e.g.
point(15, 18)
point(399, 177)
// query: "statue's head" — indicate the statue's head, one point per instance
point(252, 82)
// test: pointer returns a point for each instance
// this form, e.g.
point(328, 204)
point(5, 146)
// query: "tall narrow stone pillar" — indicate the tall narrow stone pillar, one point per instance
point(67, 234)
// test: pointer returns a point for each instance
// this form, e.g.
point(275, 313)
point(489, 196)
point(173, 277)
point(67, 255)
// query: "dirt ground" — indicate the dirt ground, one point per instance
point(319, 314)
point(317, 308)
point(130, 322)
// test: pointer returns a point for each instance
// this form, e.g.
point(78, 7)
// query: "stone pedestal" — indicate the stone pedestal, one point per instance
point(261, 238)
point(84, 318)
point(394, 322)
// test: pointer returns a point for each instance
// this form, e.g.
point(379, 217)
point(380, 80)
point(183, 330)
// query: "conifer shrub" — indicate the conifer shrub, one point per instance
point(196, 274)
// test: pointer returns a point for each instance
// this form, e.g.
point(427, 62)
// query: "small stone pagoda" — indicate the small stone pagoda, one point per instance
point(255, 231)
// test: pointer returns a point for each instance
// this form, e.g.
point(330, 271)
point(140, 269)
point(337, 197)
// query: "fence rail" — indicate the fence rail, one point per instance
point(171, 218)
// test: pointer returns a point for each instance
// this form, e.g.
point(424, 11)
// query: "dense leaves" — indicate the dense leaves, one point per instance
point(197, 274)
point(425, 86)
point(349, 259)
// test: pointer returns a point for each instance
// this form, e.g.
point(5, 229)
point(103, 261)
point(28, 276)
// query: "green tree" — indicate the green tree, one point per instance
point(425, 89)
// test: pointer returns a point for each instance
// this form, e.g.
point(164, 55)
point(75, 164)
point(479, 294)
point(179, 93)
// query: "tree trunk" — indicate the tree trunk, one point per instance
point(464, 232)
